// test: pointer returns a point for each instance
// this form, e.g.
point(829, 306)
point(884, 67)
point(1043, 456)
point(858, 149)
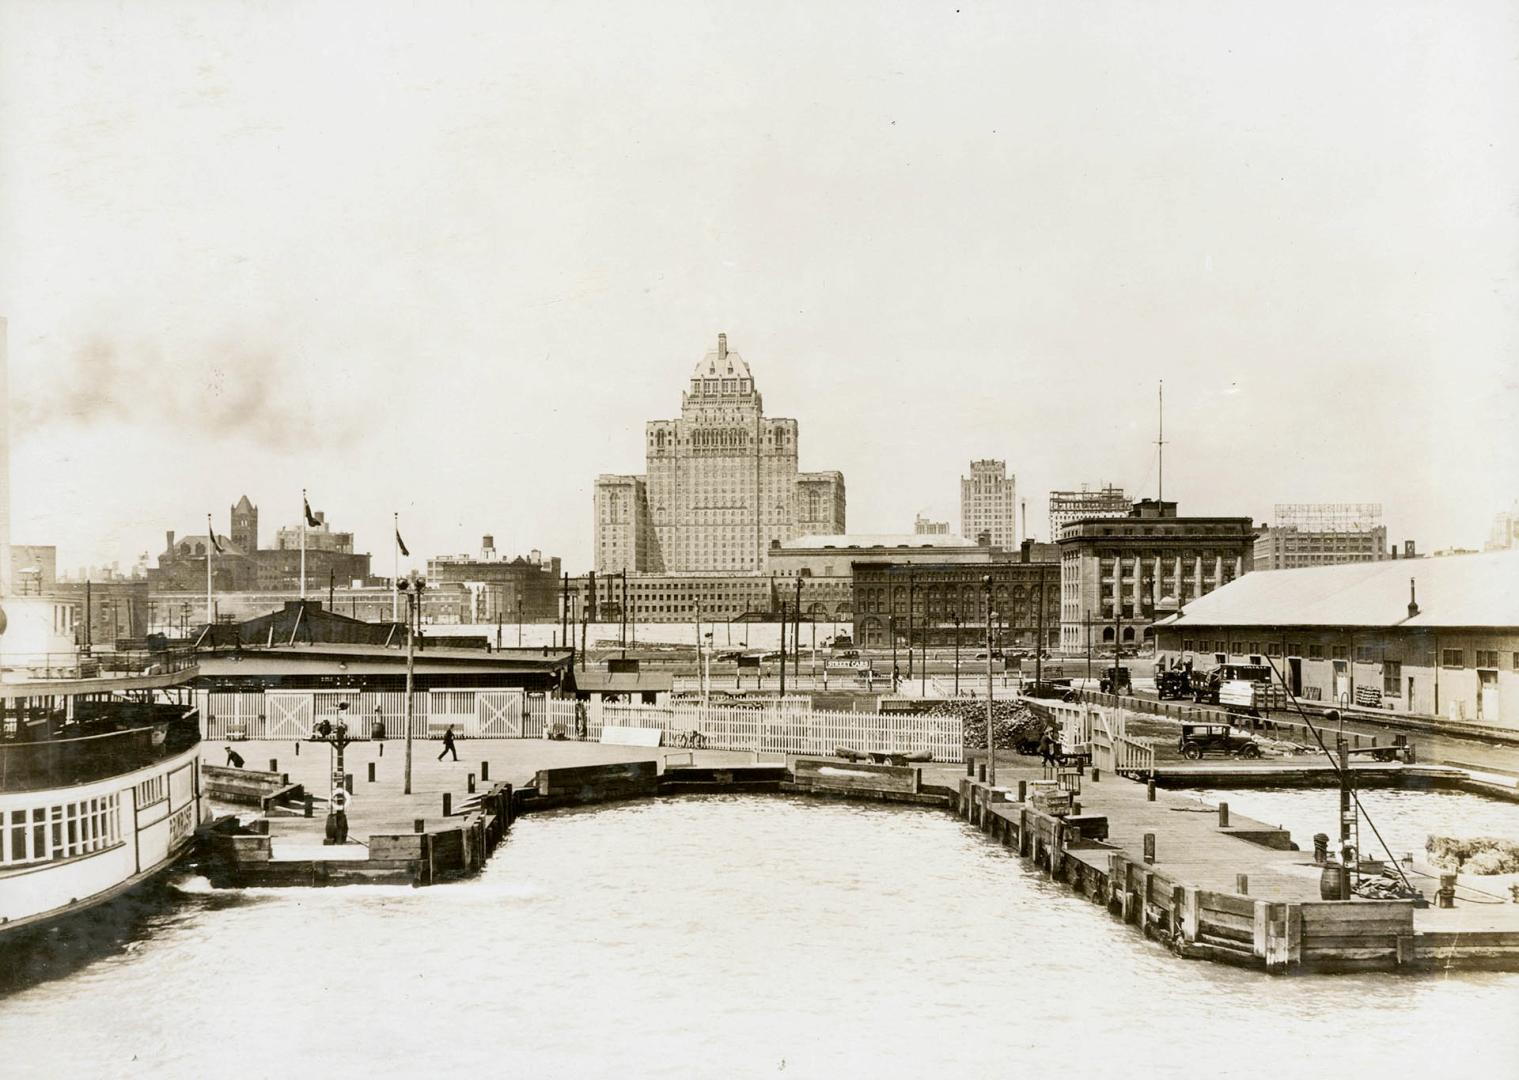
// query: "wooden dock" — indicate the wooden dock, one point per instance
point(1233, 890)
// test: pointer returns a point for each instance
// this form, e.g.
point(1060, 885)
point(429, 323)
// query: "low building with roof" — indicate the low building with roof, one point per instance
point(1431, 637)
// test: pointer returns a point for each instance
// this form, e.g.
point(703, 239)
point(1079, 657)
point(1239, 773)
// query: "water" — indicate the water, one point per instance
point(721, 936)
point(1404, 817)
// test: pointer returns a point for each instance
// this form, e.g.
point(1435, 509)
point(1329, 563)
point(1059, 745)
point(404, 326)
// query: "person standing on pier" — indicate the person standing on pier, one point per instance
point(448, 744)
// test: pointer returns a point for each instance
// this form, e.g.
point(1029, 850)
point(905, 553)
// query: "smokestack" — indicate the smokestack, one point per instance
point(722, 346)
point(1413, 602)
point(169, 540)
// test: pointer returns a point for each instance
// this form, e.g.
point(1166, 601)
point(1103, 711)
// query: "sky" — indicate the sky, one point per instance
point(445, 259)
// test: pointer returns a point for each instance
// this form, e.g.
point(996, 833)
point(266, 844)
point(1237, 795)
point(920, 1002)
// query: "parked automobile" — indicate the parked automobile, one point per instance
point(1199, 739)
point(1115, 680)
point(1175, 683)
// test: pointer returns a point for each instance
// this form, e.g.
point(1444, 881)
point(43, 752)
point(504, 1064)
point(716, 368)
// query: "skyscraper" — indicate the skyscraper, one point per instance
point(987, 503)
point(720, 483)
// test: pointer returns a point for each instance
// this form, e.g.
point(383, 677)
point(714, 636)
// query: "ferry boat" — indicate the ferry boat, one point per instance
point(99, 778)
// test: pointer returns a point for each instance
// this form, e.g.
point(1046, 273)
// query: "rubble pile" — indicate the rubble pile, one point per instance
point(1477, 855)
point(1383, 888)
point(1015, 726)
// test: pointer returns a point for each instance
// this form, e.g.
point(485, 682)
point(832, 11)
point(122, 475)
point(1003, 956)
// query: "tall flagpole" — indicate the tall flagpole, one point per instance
point(210, 547)
point(395, 577)
point(303, 543)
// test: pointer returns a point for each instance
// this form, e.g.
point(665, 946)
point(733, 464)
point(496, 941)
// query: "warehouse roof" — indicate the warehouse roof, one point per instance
point(1457, 590)
point(880, 540)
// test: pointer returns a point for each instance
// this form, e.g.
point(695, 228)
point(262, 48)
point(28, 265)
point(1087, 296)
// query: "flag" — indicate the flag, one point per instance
point(310, 517)
point(402, 544)
point(215, 544)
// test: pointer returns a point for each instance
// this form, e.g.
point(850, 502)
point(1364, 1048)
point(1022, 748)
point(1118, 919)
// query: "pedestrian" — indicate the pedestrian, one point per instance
point(580, 721)
point(234, 759)
point(1047, 748)
point(448, 744)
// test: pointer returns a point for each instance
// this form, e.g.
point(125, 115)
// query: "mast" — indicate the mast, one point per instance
point(1160, 442)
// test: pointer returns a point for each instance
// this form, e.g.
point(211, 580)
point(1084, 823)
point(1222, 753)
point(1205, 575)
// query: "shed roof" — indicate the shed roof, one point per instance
point(1454, 591)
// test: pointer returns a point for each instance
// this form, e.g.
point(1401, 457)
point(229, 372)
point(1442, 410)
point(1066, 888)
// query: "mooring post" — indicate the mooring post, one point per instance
point(417, 825)
point(274, 764)
point(1445, 896)
point(371, 772)
point(1223, 815)
point(382, 747)
point(1149, 847)
point(448, 803)
point(308, 804)
point(1242, 884)
point(485, 772)
point(1096, 774)
point(297, 749)
point(1023, 791)
point(981, 773)
point(1150, 790)
point(470, 784)
point(506, 799)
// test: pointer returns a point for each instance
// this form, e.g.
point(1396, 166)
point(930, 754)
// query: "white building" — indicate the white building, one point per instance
point(988, 504)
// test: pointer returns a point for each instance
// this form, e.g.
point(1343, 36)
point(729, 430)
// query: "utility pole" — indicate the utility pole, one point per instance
point(1160, 444)
point(911, 596)
point(411, 668)
point(957, 653)
point(796, 635)
point(519, 622)
point(1086, 619)
point(564, 614)
point(991, 752)
point(783, 648)
point(624, 613)
point(1039, 642)
point(1343, 753)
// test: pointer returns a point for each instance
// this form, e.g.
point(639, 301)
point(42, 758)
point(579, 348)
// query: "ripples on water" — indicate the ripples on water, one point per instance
point(721, 936)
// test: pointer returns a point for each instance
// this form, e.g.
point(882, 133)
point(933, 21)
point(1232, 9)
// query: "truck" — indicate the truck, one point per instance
point(1115, 680)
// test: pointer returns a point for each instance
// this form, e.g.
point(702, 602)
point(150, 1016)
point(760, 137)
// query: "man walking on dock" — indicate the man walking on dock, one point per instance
point(448, 744)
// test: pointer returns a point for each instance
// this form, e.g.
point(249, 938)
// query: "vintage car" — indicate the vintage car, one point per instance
point(1199, 739)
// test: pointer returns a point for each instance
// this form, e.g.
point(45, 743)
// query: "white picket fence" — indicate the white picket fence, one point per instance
point(1102, 732)
point(787, 726)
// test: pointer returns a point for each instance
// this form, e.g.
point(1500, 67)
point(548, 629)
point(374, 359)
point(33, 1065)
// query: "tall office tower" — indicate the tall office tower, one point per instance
point(720, 484)
point(988, 504)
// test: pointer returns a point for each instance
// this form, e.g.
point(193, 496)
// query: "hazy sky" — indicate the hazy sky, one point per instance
point(447, 258)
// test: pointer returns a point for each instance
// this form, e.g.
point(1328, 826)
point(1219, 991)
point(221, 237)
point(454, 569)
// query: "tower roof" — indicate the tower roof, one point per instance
point(721, 362)
point(243, 505)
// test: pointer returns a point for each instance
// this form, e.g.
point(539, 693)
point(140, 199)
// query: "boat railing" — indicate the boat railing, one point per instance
point(63, 762)
point(82, 664)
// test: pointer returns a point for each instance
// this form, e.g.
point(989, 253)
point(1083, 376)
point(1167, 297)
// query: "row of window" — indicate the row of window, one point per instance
point(47, 833)
point(1364, 654)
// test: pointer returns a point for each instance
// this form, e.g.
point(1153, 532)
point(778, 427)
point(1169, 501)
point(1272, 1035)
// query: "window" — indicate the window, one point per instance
point(1315, 652)
point(1273, 649)
point(1294, 649)
point(1392, 678)
point(1487, 658)
point(1365, 654)
point(1186, 644)
point(1339, 652)
point(1452, 658)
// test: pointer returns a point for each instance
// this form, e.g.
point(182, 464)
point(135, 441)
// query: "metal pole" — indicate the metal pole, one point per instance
point(303, 543)
point(395, 565)
point(519, 622)
point(411, 664)
point(796, 633)
point(210, 547)
point(783, 648)
point(911, 596)
point(991, 752)
point(891, 624)
point(957, 654)
point(624, 613)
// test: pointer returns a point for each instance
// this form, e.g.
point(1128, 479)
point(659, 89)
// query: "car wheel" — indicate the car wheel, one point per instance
point(1191, 752)
point(1250, 750)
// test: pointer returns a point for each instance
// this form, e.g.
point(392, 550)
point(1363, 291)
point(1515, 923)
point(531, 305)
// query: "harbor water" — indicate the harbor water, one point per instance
point(712, 936)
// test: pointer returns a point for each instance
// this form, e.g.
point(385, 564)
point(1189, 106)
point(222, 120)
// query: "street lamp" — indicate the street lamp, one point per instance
point(956, 617)
point(991, 753)
point(412, 589)
point(336, 735)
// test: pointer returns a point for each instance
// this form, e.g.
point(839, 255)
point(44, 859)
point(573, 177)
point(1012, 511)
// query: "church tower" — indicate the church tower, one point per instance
point(245, 526)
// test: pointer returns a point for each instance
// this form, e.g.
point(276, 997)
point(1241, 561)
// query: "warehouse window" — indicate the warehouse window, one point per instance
point(1452, 658)
point(1487, 658)
point(1365, 654)
point(1338, 652)
point(1392, 678)
point(1315, 652)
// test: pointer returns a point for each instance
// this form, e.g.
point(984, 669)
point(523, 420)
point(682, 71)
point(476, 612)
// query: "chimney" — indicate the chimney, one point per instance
point(722, 346)
point(1026, 550)
point(169, 540)
point(535, 557)
point(487, 541)
point(1413, 602)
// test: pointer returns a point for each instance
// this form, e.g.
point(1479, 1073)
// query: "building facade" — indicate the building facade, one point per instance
point(1119, 575)
point(1321, 534)
point(934, 604)
point(708, 598)
point(1504, 534)
point(1435, 637)
point(1069, 506)
point(988, 504)
point(34, 567)
point(922, 526)
point(524, 588)
point(241, 565)
point(720, 484)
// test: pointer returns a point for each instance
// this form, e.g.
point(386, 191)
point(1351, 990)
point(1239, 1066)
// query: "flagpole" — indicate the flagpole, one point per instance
point(395, 577)
point(303, 543)
point(210, 547)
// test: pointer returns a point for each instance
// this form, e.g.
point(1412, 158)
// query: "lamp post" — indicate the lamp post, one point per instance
point(336, 736)
point(413, 593)
point(891, 624)
point(991, 753)
point(956, 617)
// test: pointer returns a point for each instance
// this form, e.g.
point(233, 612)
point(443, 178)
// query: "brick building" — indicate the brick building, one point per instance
point(525, 587)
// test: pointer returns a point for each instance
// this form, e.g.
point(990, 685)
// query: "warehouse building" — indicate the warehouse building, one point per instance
point(1435, 637)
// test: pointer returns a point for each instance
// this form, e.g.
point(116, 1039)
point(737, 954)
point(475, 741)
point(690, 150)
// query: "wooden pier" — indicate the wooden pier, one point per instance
point(1206, 884)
